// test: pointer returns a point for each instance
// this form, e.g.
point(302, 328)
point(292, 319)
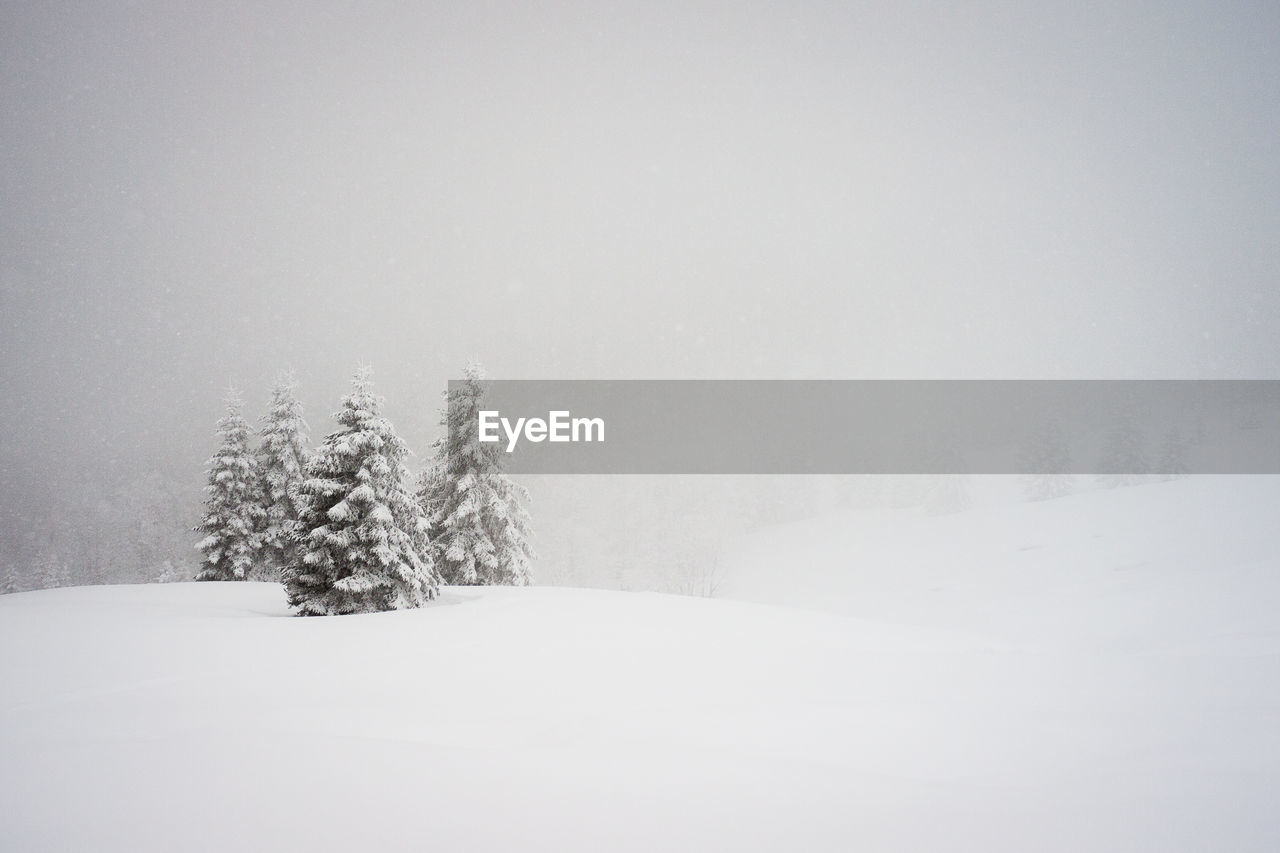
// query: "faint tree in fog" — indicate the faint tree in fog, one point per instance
point(701, 577)
point(1124, 457)
point(282, 458)
point(168, 574)
point(51, 571)
point(479, 526)
point(1045, 463)
point(9, 580)
point(232, 509)
point(146, 512)
point(359, 523)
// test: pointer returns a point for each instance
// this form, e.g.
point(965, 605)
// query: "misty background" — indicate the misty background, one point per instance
point(199, 196)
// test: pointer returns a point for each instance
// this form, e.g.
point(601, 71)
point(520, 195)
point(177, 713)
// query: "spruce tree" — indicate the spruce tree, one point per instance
point(233, 509)
point(359, 525)
point(479, 527)
point(282, 459)
point(425, 497)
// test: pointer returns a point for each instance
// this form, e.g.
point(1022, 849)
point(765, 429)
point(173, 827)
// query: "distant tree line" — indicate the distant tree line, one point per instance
point(132, 526)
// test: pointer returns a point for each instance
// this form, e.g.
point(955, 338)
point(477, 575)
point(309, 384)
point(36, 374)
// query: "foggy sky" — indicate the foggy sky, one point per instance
point(200, 194)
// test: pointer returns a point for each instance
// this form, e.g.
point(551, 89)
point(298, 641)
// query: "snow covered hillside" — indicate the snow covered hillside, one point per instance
point(1186, 565)
point(1096, 673)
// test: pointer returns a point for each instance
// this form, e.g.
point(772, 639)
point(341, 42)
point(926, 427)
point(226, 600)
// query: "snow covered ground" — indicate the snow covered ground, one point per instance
point(1100, 672)
point(1180, 566)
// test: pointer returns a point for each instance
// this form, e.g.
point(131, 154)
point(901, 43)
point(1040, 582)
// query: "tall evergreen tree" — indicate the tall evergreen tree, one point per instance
point(232, 509)
point(479, 527)
point(359, 525)
point(282, 459)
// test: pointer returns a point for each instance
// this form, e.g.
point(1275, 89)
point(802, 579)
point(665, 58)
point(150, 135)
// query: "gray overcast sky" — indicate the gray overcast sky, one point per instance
point(195, 194)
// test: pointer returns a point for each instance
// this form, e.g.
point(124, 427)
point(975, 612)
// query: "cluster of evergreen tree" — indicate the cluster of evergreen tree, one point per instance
point(252, 504)
point(341, 526)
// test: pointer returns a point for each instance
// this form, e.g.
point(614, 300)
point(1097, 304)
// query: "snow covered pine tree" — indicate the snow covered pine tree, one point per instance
point(232, 509)
point(479, 528)
point(360, 525)
point(282, 458)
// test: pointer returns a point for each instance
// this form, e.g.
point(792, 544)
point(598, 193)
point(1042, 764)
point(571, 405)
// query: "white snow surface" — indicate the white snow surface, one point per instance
point(1096, 673)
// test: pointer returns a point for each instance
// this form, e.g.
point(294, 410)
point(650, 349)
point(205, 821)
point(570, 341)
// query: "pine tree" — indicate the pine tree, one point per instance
point(426, 498)
point(479, 527)
point(282, 459)
point(233, 509)
point(359, 524)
